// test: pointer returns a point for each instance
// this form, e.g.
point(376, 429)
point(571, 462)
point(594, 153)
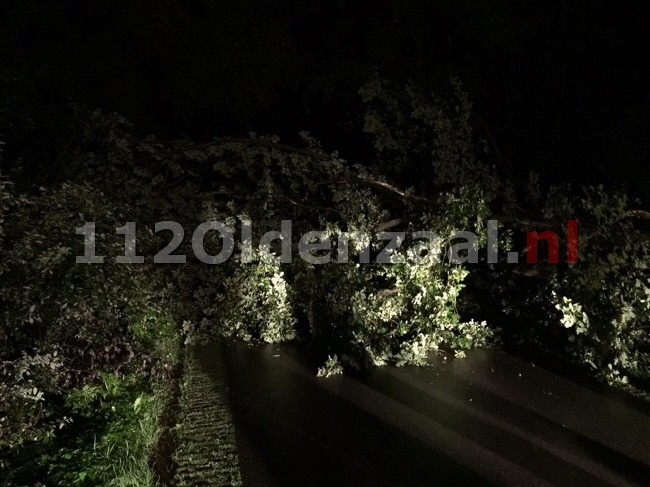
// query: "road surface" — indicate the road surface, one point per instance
point(489, 419)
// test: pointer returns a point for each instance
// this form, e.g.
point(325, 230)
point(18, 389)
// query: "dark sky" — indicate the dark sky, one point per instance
point(562, 86)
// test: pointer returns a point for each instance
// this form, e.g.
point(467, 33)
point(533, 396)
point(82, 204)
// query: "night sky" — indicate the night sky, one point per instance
point(559, 87)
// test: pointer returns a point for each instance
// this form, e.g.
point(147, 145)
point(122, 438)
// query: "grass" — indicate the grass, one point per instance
point(116, 426)
point(117, 423)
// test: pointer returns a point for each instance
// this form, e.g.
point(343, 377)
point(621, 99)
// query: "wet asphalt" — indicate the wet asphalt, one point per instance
point(489, 419)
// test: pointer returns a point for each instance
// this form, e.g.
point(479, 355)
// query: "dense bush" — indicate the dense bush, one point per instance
point(68, 328)
point(604, 304)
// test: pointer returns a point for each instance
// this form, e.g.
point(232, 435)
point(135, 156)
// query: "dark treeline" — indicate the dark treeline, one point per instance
point(558, 87)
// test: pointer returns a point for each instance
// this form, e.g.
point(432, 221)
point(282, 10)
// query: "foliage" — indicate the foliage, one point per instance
point(116, 426)
point(67, 327)
point(331, 367)
point(604, 303)
point(92, 333)
point(350, 306)
point(431, 136)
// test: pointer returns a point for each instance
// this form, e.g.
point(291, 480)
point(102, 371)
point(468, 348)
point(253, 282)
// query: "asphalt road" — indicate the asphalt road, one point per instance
point(490, 419)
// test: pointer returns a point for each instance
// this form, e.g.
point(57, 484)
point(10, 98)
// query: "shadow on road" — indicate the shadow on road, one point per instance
point(490, 419)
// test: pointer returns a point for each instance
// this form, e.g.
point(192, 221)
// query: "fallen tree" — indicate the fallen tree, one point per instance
point(430, 297)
